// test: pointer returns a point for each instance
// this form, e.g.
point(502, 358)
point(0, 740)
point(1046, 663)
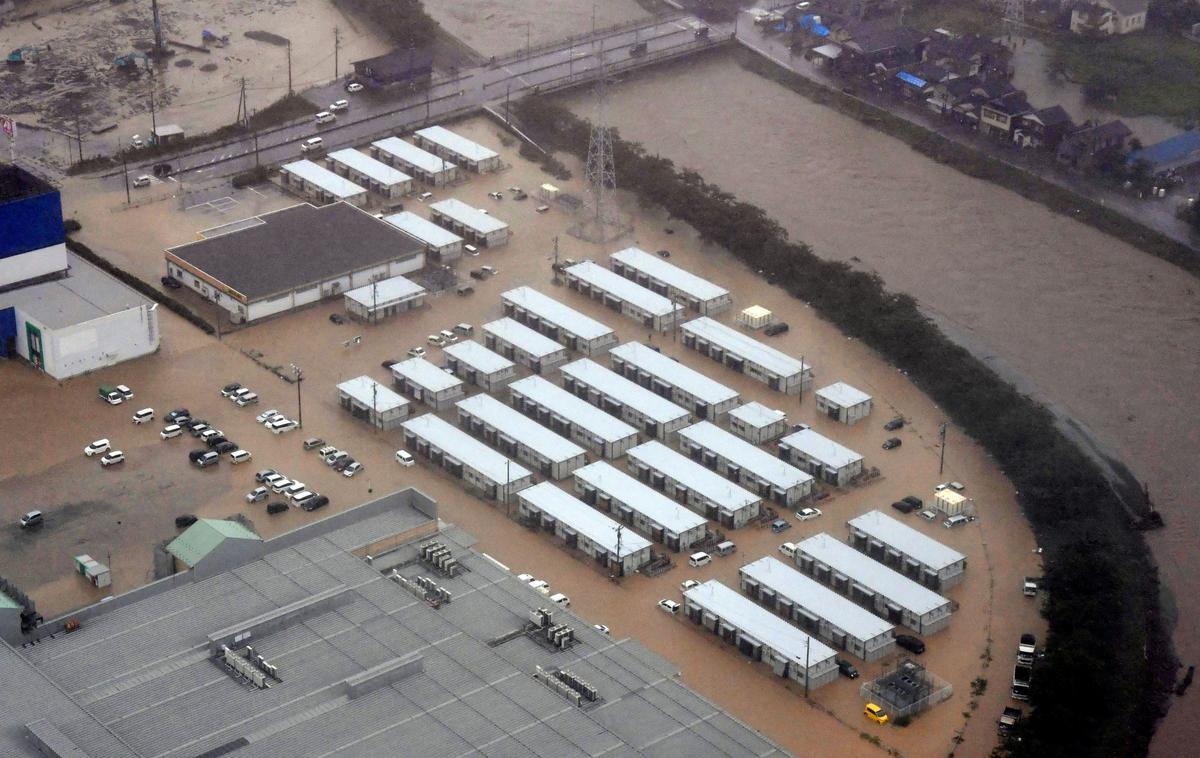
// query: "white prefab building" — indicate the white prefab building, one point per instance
point(738, 460)
point(321, 184)
point(653, 310)
point(744, 354)
point(614, 546)
point(756, 423)
point(571, 417)
point(873, 585)
point(671, 379)
point(912, 553)
point(709, 494)
point(665, 521)
point(426, 167)
point(557, 321)
point(463, 151)
point(427, 383)
point(519, 436)
point(817, 609)
point(519, 343)
point(654, 273)
point(949, 502)
point(755, 317)
point(843, 403)
point(443, 243)
point(384, 298)
point(482, 469)
point(372, 402)
point(821, 457)
point(761, 635)
point(375, 175)
point(475, 364)
point(481, 228)
point(614, 394)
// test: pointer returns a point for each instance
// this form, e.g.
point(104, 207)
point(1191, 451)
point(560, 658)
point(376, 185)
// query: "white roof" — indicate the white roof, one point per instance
point(757, 415)
point(576, 410)
point(821, 448)
point(871, 574)
point(674, 373)
point(583, 518)
point(386, 292)
point(757, 622)
point(669, 274)
point(816, 598)
point(620, 287)
point(465, 449)
point(512, 423)
point(907, 540)
point(365, 164)
point(831, 51)
point(478, 357)
point(468, 216)
point(423, 373)
point(548, 309)
point(456, 143)
point(521, 336)
point(647, 501)
point(745, 346)
point(422, 230)
point(843, 395)
point(322, 177)
point(372, 394)
point(413, 155)
point(778, 472)
point(692, 475)
point(622, 390)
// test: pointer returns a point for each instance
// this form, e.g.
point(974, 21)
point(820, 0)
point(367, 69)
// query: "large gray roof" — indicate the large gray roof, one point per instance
point(86, 294)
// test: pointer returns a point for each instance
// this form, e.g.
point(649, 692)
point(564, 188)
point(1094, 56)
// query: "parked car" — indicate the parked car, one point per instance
point(312, 442)
point(281, 425)
point(894, 424)
point(294, 489)
point(957, 519)
point(209, 458)
point(914, 501)
point(478, 274)
point(99, 446)
point(808, 514)
point(272, 479)
point(471, 250)
point(280, 484)
point(489, 270)
point(238, 393)
point(261, 476)
point(354, 87)
point(339, 106)
point(171, 431)
point(910, 643)
point(559, 598)
point(142, 181)
point(664, 253)
point(179, 413)
point(464, 329)
point(268, 416)
point(184, 521)
point(312, 145)
point(276, 507)
point(326, 451)
point(670, 606)
point(904, 506)
point(239, 456)
point(404, 458)
point(779, 327)
point(424, 196)
point(212, 438)
point(257, 494)
point(325, 117)
point(928, 514)
point(32, 519)
point(891, 443)
point(846, 668)
point(687, 584)
point(788, 549)
point(449, 336)
point(540, 586)
point(780, 525)
point(1027, 649)
point(112, 458)
point(875, 713)
point(125, 391)
point(602, 628)
point(170, 282)
point(352, 469)
point(196, 428)
point(230, 388)
point(249, 398)
point(495, 196)
point(336, 318)
point(416, 352)
point(436, 339)
point(317, 501)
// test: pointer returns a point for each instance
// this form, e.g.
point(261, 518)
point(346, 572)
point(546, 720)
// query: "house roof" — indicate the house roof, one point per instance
point(204, 536)
point(1171, 150)
point(1127, 7)
point(880, 35)
point(1055, 115)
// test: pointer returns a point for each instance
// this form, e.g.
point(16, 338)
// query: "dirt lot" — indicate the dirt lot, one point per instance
point(157, 482)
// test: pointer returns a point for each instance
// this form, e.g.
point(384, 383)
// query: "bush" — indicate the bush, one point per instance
point(71, 225)
point(256, 175)
point(404, 22)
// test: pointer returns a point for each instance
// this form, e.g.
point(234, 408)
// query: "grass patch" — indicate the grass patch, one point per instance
point(958, 17)
point(404, 22)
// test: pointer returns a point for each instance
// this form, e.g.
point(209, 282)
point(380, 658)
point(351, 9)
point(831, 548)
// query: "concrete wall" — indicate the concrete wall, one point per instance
point(33, 264)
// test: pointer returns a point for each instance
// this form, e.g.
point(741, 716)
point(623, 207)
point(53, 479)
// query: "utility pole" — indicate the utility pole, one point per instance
point(78, 139)
point(527, 46)
point(125, 171)
point(298, 375)
point(507, 92)
point(256, 148)
point(159, 46)
point(803, 366)
point(807, 641)
point(942, 463)
point(153, 118)
point(289, 57)
point(337, 41)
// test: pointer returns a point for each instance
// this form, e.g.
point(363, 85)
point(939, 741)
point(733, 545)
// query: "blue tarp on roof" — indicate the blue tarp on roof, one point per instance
point(809, 23)
point(915, 81)
point(1169, 150)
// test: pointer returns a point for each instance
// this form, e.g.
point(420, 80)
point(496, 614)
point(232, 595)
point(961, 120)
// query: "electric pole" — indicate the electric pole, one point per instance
point(153, 118)
point(942, 463)
point(336, 44)
point(289, 57)
point(78, 139)
point(803, 366)
point(125, 170)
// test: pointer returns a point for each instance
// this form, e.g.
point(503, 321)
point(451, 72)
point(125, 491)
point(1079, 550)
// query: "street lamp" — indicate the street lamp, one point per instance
point(298, 376)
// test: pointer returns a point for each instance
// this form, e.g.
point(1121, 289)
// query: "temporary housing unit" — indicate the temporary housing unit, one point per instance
point(372, 402)
point(482, 469)
point(668, 279)
point(519, 437)
point(843, 403)
point(738, 460)
point(873, 585)
point(321, 184)
point(614, 546)
point(91, 569)
point(744, 354)
point(481, 228)
point(665, 521)
point(557, 321)
point(912, 553)
point(427, 167)
point(440, 242)
point(375, 175)
point(387, 297)
point(653, 310)
point(821, 457)
point(669, 378)
point(571, 417)
point(950, 502)
point(817, 609)
point(475, 364)
point(426, 383)
point(755, 317)
point(655, 416)
point(521, 344)
point(461, 150)
point(709, 494)
point(756, 423)
point(761, 635)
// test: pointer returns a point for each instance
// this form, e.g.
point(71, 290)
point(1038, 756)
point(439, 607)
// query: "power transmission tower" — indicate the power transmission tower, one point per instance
point(1014, 17)
point(599, 220)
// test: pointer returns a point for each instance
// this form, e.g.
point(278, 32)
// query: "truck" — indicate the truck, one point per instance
point(1030, 587)
point(110, 394)
point(1010, 718)
point(1027, 649)
point(1022, 679)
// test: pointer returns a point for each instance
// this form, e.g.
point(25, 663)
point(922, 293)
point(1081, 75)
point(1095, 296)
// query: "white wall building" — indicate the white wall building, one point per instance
point(822, 457)
point(426, 167)
point(442, 243)
point(481, 228)
point(321, 184)
point(843, 403)
point(653, 310)
point(384, 298)
point(744, 354)
point(481, 469)
point(521, 344)
point(667, 377)
point(652, 513)
point(557, 321)
point(653, 415)
point(426, 383)
point(709, 494)
point(614, 546)
point(656, 274)
point(571, 417)
point(912, 553)
point(375, 175)
point(520, 437)
point(756, 423)
point(454, 146)
point(753, 467)
point(475, 364)
point(372, 402)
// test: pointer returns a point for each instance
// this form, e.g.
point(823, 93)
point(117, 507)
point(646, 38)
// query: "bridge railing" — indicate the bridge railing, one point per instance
point(608, 31)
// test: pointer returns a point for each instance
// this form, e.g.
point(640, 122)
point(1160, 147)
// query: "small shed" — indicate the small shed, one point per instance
point(168, 134)
point(950, 502)
point(755, 317)
point(843, 403)
point(213, 546)
point(92, 570)
point(383, 298)
point(548, 192)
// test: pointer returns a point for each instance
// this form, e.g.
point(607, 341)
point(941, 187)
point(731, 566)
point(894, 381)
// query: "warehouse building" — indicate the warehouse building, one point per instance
point(443, 244)
point(761, 635)
point(571, 417)
point(33, 247)
point(669, 378)
point(873, 585)
point(912, 553)
point(457, 148)
point(557, 321)
point(617, 548)
point(426, 167)
point(680, 285)
point(519, 343)
point(821, 457)
point(746, 355)
point(376, 176)
point(321, 184)
point(426, 383)
point(381, 299)
point(209, 546)
point(372, 402)
point(654, 514)
point(841, 402)
point(653, 415)
point(653, 310)
point(816, 609)
point(757, 424)
point(738, 460)
point(519, 437)
point(476, 226)
point(301, 255)
point(709, 494)
point(483, 470)
point(475, 364)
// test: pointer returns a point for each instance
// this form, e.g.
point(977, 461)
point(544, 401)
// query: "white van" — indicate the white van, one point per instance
point(282, 425)
point(696, 560)
point(239, 456)
point(726, 548)
point(143, 416)
point(171, 431)
point(956, 520)
point(541, 586)
point(404, 458)
point(325, 117)
point(249, 398)
point(312, 145)
point(788, 549)
point(561, 599)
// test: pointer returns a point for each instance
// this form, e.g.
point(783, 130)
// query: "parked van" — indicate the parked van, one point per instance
point(143, 416)
point(171, 431)
point(956, 520)
point(282, 425)
point(561, 599)
point(312, 145)
point(540, 586)
point(250, 398)
point(464, 329)
point(325, 117)
point(726, 548)
point(788, 549)
point(239, 456)
point(696, 560)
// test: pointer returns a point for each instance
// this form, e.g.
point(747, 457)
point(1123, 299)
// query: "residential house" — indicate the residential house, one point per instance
point(969, 55)
point(880, 41)
point(1043, 128)
point(1104, 18)
point(998, 117)
point(1080, 148)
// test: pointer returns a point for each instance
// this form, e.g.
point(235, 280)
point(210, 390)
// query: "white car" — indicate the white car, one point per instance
point(541, 586)
point(240, 456)
point(280, 484)
point(112, 458)
point(404, 458)
point(143, 416)
point(249, 398)
point(99, 446)
point(808, 514)
point(416, 352)
point(471, 250)
point(281, 426)
point(354, 87)
point(670, 606)
point(208, 434)
point(136, 142)
point(436, 339)
point(257, 494)
point(266, 416)
point(325, 117)
point(602, 628)
point(687, 584)
point(560, 599)
point(352, 469)
point(490, 269)
point(142, 181)
point(128, 393)
point(526, 578)
point(339, 106)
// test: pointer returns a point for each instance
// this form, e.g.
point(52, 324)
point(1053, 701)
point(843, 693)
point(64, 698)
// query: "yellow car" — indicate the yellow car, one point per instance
point(875, 713)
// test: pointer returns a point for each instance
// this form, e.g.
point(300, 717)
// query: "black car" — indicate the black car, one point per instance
point(225, 447)
point(320, 501)
point(664, 253)
point(277, 507)
point(212, 442)
point(174, 416)
point(343, 463)
point(779, 327)
point(894, 424)
point(846, 668)
point(389, 363)
point(904, 506)
point(230, 388)
point(183, 522)
point(913, 500)
point(910, 643)
point(892, 442)
point(171, 282)
point(477, 274)
point(195, 455)
point(162, 169)
point(335, 318)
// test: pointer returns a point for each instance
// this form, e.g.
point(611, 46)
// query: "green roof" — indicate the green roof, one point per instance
point(202, 537)
point(8, 602)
